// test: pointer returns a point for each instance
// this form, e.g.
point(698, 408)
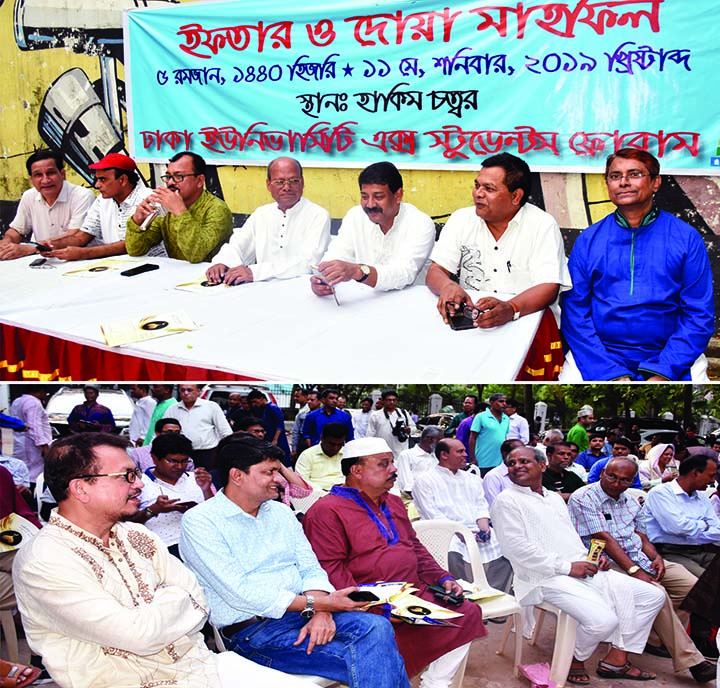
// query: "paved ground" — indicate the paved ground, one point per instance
point(485, 669)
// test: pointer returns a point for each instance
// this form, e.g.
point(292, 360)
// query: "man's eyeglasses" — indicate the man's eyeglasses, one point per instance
point(453, 308)
point(173, 462)
point(622, 481)
point(616, 176)
point(279, 183)
point(130, 475)
point(177, 178)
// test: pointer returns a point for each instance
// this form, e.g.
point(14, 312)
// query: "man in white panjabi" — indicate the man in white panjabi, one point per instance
point(551, 564)
point(102, 600)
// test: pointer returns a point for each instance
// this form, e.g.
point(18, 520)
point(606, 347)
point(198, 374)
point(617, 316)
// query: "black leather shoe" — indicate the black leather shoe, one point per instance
point(703, 672)
point(657, 651)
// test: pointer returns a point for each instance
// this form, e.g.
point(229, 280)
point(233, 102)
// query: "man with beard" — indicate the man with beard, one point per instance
point(196, 223)
point(383, 242)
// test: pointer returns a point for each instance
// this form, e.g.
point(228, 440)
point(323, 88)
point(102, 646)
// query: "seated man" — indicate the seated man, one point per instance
point(501, 244)
point(268, 595)
point(681, 521)
point(641, 306)
point(497, 480)
point(383, 242)
point(361, 534)
point(551, 564)
point(279, 240)
point(621, 447)
point(101, 599)
point(53, 207)
point(195, 223)
point(169, 490)
point(449, 491)
point(103, 231)
point(594, 451)
point(557, 477)
point(320, 464)
point(142, 456)
point(604, 511)
point(411, 462)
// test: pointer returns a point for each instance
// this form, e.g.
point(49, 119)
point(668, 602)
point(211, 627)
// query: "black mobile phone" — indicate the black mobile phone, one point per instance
point(42, 247)
point(147, 267)
point(461, 322)
point(38, 262)
point(442, 594)
point(363, 596)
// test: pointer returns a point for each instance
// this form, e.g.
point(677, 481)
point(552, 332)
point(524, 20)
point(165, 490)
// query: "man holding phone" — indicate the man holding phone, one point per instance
point(169, 490)
point(52, 207)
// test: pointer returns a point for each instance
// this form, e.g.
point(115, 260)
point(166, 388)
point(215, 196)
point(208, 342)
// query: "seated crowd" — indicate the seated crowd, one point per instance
point(145, 546)
point(494, 262)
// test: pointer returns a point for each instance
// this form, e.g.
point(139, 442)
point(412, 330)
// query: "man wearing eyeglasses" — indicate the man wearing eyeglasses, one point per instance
point(102, 600)
point(169, 489)
point(641, 306)
point(194, 224)
point(279, 240)
point(605, 512)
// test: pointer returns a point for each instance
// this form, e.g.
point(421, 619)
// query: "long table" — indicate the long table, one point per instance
point(276, 330)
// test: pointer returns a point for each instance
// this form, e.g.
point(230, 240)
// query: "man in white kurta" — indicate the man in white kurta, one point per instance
point(383, 242)
point(449, 491)
point(502, 245)
point(31, 444)
point(551, 565)
point(279, 240)
point(420, 458)
point(103, 601)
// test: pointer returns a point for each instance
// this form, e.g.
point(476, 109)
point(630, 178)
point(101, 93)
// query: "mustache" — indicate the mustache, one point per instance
point(373, 210)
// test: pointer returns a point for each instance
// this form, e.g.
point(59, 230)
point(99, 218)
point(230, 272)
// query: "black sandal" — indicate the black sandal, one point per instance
point(606, 670)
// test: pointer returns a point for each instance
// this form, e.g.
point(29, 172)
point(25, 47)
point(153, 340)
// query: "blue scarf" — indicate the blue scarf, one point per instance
point(392, 536)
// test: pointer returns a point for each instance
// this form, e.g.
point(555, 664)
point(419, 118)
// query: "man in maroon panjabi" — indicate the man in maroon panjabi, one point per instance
point(361, 534)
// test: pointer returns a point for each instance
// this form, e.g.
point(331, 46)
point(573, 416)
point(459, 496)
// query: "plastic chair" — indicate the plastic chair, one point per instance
point(7, 622)
point(39, 489)
point(302, 504)
point(436, 535)
point(564, 641)
point(317, 680)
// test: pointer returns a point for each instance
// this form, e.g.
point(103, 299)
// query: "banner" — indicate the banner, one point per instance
point(426, 84)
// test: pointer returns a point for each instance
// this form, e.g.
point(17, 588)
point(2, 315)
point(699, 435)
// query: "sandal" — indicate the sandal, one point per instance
point(606, 670)
point(16, 675)
point(578, 674)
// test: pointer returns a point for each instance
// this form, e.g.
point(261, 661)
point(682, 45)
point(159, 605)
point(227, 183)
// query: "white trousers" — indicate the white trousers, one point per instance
point(570, 373)
point(441, 672)
point(609, 607)
point(237, 672)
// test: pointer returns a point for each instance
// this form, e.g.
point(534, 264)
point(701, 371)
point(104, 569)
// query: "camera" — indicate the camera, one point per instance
point(399, 431)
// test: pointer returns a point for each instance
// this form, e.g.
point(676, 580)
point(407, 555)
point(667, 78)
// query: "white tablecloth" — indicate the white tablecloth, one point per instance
point(277, 330)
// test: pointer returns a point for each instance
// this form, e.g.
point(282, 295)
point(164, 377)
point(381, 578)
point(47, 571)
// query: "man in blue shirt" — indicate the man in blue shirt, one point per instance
point(620, 449)
point(641, 306)
point(594, 452)
point(329, 413)
point(268, 594)
point(681, 521)
point(488, 431)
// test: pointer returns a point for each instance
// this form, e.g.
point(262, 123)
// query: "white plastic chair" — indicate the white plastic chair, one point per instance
point(564, 648)
point(7, 622)
point(302, 504)
point(317, 680)
point(436, 535)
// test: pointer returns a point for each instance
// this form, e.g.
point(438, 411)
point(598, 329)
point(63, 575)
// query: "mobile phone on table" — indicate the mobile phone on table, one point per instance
point(38, 262)
point(147, 267)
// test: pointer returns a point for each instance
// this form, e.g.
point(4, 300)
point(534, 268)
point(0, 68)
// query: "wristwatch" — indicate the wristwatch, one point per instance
point(633, 569)
point(309, 610)
point(516, 310)
point(149, 513)
point(365, 269)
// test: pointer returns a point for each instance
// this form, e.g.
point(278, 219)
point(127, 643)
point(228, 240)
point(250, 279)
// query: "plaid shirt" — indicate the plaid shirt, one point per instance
point(593, 511)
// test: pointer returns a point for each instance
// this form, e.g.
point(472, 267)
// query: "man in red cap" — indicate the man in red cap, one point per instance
point(103, 231)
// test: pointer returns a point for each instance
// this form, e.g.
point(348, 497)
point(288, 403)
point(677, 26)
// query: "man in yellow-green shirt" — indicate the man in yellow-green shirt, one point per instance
point(191, 222)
